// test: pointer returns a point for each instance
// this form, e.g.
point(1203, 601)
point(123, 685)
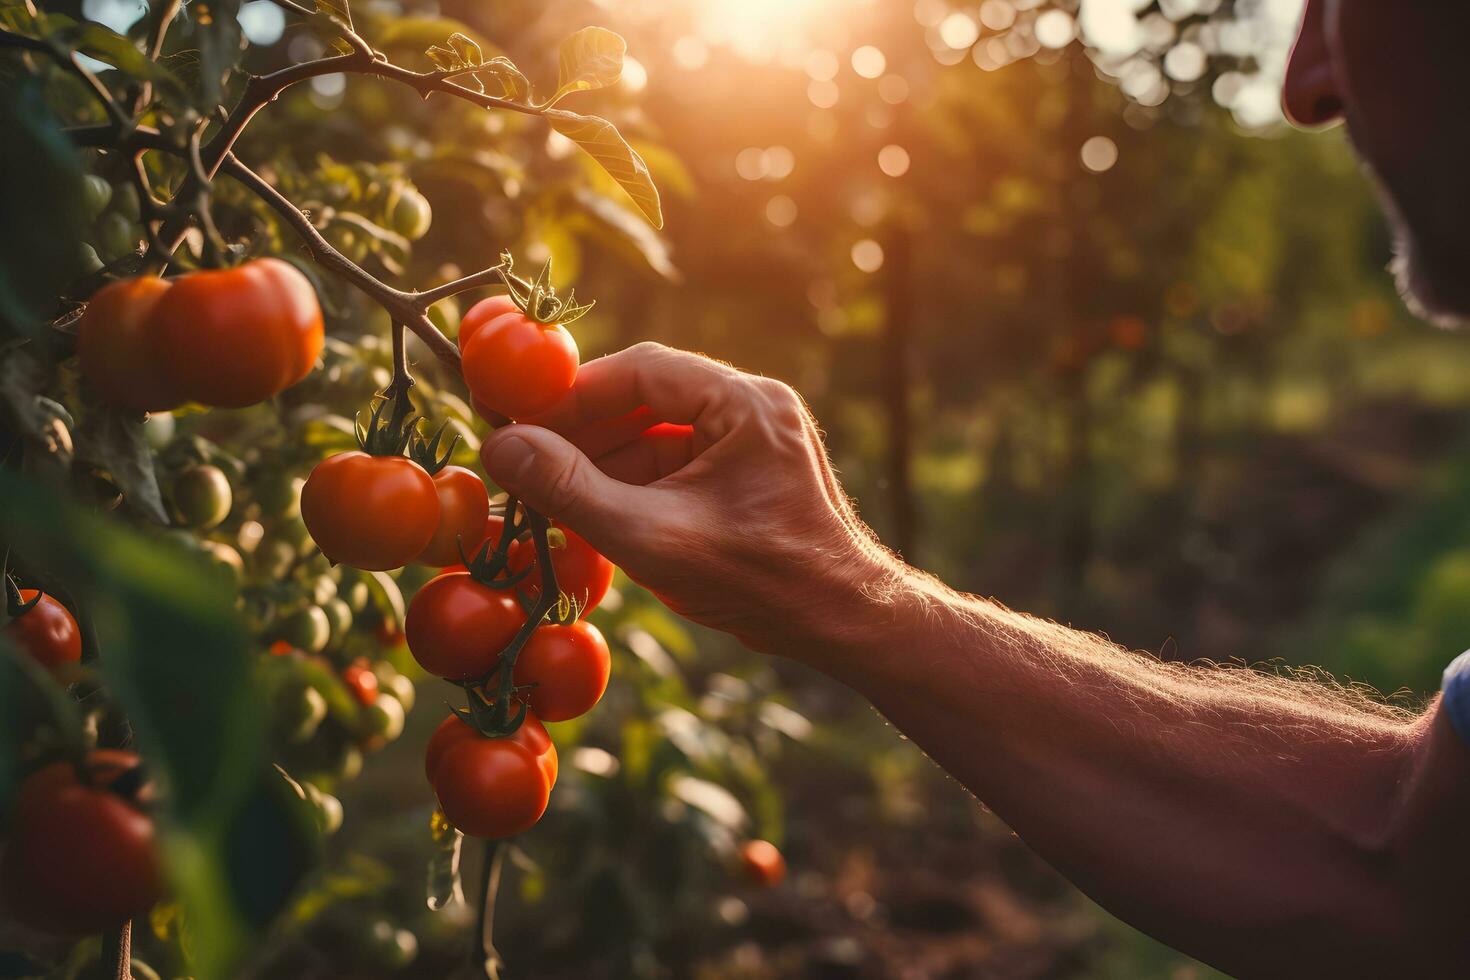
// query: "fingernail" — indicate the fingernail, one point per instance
point(510, 458)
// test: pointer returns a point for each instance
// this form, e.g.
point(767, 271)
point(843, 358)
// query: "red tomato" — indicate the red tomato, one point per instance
point(569, 666)
point(234, 337)
point(46, 631)
point(762, 862)
point(582, 574)
point(518, 367)
point(482, 313)
point(457, 627)
point(362, 682)
point(532, 734)
point(80, 858)
point(116, 349)
point(495, 787)
point(464, 505)
point(371, 512)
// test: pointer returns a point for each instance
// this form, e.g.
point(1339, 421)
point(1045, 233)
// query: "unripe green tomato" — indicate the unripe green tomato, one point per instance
point(293, 531)
point(329, 813)
point(385, 945)
point(159, 429)
point(323, 589)
point(349, 763)
point(307, 629)
point(227, 559)
point(383, 720)
point(116, 236)
point(279, 495)
point(410, 213)
point(301, 712)
point(125, 201)
point(272, 559)
point(397, 686)
point(88, 260)
point(445, 315)
point(202, 497)
point(358, 595)
point(339, 615)
point(96, 193)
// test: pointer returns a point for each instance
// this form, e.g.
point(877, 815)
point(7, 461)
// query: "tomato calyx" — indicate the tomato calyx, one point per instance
point(14, 607)
point(426, 453)
point(537, 299)
point(391, 425)
point(490, 560)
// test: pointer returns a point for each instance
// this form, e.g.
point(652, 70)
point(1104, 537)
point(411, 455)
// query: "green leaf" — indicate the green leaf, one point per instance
point(627, 230)
point(590, 59)
point(212, 28)
point(41, 189)
point(115, 442)
point(466, 48)
point(605, 144)
point(176, 658)
point(337, 10)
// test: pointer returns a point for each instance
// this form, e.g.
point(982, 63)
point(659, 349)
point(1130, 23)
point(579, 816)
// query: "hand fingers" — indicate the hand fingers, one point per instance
point(675, 386)
point(604, 436)
point(552, 476)
point(663, 450)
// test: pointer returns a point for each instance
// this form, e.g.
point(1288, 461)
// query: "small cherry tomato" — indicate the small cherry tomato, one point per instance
point(518, 367)
point(531, 734)
point(234, 337)
point(482, 313)
point(117, 352)
point(410, 213)
point(47, 631)
point(582, 574)
point(569, 666)
point(202, 497)
point(370, 512)
point(496, 787)
point(80, 857)
point(464, 504)
point(457, 627)
point(362, 682)
point(762, 863)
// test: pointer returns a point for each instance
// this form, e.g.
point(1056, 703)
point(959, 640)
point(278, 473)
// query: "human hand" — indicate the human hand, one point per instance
point(709, 486)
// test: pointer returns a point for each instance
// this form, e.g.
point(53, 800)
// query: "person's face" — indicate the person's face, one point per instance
point(1399, 75)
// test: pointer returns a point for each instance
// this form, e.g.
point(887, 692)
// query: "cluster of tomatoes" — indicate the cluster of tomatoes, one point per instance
point(377, 508)
point(227, 338)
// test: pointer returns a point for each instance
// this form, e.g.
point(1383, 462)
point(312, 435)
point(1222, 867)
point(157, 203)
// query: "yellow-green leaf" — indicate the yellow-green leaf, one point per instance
point(605, 144)
point(590, 59)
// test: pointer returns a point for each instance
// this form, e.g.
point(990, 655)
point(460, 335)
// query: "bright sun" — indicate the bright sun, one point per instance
point(761, 29)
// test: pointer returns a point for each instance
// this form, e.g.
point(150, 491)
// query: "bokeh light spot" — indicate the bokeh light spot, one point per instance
point(893, 160)
point(867, 255)
point(1099, 154)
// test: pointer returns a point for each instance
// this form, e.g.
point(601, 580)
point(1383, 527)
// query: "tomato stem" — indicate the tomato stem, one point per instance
point(483, 954)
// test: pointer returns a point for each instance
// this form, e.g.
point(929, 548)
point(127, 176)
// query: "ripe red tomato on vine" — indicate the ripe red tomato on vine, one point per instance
point(81, 858)
point(370, 512)
point(464, 508)
point(116, 351)
point(568, 667)
point(47, 630)
point(456, 627)
point(492, 787)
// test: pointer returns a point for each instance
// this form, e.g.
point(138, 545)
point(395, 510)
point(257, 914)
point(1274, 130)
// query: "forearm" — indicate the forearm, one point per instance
point(1236, 815)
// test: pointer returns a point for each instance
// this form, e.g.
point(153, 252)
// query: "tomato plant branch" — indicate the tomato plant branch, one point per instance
point(166, 14)
point(404, 307)
point(67, 59)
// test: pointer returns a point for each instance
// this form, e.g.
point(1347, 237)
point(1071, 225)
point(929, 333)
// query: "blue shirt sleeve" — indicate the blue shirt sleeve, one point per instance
point(1456, 702)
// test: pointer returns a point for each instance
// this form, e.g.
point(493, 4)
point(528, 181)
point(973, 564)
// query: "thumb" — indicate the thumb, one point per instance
point(552, 476)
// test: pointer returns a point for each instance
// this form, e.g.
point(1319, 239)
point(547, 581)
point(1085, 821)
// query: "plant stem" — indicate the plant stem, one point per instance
point(117, 952)
point(483, 954)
